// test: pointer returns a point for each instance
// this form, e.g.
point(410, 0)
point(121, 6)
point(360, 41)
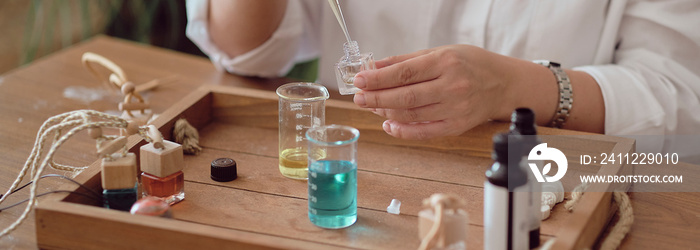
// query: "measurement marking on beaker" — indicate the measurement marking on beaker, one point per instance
point(299, 138)
point(295, 106)
point(312, 199)
point(313, 187)
point(300, 115)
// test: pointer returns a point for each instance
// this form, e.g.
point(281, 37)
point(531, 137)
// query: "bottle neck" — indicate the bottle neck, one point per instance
point(351, 49)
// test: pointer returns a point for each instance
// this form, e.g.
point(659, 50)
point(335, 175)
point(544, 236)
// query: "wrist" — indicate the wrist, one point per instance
point(530, 86)
point(565, 93)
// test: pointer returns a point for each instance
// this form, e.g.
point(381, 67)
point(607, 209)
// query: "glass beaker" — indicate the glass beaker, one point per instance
point(332, 175)
point(301, 106)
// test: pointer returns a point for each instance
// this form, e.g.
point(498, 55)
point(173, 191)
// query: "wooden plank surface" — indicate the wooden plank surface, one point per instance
point(31, 94)
point(409, 178)
point(262, 128)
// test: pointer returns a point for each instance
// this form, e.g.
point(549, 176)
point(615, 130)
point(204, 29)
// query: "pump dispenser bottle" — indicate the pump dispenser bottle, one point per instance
point(506, 223)
point(162, 175)
point(349, 65)
point(523, 123)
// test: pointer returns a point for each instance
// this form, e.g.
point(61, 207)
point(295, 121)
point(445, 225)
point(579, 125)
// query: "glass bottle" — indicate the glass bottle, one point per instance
point(523, 123)
point(119, 182)
point(120, 199)
point(349, 65)
point(506, 223)
point(162, 175)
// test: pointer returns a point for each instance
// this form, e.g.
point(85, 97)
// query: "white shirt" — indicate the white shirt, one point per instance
point(645, 55)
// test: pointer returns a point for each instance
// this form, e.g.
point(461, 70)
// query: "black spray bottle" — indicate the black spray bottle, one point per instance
point(523, 123)
point(506, 214)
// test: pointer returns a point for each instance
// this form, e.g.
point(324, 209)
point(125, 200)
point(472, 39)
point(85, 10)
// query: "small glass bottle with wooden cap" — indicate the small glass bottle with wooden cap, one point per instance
point(119, 182)
point(162, 177)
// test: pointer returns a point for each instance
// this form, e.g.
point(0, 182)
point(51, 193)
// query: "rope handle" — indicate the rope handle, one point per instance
point(93, 122)
point(119, 80)
point(74, 122)
point(117, 77)
point(439, 203)
point(618, 232)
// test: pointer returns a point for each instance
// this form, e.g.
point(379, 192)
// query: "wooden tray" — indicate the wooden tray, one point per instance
point(263, 209)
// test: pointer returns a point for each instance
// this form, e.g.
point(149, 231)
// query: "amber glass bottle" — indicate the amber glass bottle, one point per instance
point(162, 175)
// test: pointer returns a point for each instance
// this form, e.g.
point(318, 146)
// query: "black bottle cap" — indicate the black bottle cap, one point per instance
point(523, 121)
point(223, 170)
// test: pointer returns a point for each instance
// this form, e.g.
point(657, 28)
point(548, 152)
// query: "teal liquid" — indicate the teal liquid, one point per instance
point(333, 194)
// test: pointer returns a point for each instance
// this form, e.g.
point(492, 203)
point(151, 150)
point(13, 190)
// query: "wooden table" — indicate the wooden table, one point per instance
point(30, 95)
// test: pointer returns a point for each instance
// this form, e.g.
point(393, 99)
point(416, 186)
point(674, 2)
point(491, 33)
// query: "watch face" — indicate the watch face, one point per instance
point(542, 62)
point(547, 63)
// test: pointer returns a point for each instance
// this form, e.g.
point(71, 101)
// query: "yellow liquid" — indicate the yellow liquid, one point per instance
point(294, 163)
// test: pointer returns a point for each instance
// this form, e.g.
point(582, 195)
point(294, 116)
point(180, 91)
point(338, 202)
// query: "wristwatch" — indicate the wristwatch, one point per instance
point(566, 93)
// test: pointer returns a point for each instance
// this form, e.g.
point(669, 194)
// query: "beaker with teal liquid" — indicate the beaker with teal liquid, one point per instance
point(332, 175)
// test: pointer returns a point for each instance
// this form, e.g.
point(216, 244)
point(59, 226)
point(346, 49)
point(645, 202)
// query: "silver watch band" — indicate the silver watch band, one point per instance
point(566, 93)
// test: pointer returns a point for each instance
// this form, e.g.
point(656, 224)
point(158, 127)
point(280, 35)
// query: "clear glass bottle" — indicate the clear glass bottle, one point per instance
point(170, 188)
point(120, 199)
point(162, 175)
point(119, 182)
point(349, 65)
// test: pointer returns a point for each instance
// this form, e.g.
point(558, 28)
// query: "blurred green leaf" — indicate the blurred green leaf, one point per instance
point(174, 25)
point(66, 23)
point(29, 40)
point(305, 71)
point(85, 14)
point(157, 22)
point(51, 19)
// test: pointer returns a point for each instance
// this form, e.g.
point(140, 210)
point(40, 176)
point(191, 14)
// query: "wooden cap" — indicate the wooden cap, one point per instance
point(162, 162)
point(119, 173)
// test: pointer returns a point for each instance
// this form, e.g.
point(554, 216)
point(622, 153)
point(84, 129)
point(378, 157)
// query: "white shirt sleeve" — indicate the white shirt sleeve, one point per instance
point(273, 58)
point(654, 84)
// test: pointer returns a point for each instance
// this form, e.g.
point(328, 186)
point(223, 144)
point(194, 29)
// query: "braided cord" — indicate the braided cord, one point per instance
point(76, 121)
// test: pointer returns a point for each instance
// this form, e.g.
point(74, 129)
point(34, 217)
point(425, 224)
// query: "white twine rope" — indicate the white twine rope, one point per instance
point(619, 230)
point(623, 225)
point(575, 196)
point(439, 203)
point(429, 239)
point(74, 122)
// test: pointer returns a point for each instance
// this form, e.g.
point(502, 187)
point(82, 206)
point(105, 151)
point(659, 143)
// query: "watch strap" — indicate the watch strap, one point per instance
point(566, 93)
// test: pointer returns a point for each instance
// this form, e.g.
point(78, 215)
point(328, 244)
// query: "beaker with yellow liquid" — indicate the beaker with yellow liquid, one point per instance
point(301, 106)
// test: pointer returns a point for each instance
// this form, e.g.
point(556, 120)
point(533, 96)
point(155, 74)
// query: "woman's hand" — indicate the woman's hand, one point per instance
point(448, 90)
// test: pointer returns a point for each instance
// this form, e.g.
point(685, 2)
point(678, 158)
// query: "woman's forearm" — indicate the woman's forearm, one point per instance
point(537, 88)
point(239, 26)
